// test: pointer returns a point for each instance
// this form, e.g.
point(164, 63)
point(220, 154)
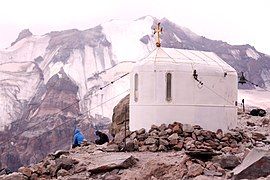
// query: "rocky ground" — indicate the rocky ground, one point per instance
point(174, 151)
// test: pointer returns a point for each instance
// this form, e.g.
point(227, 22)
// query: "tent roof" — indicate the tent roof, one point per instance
point(163, 56)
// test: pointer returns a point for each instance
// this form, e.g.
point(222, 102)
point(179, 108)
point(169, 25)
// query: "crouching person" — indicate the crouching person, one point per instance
point(78, 138)
point(103, 138)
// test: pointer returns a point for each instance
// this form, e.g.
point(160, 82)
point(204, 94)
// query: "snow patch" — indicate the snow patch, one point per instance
point(251, 53)
point(177, 38)
point(257, 98)
point(236, 54)
point(123, 34)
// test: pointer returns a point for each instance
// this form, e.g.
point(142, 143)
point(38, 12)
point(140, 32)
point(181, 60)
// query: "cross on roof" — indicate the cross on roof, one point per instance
point(158, 30)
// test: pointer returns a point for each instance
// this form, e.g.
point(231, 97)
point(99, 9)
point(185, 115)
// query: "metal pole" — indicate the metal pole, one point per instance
point(125, 123)
point(243, 103)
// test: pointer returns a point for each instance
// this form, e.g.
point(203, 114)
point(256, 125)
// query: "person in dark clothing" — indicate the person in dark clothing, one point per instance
point(78, 138)
point(103, 138)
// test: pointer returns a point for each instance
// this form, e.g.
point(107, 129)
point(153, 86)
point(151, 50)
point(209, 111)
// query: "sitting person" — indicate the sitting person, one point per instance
point(78, 138)
point(103, 138)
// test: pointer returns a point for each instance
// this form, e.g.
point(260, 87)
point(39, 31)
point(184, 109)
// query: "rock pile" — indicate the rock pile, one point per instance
point(179, 136)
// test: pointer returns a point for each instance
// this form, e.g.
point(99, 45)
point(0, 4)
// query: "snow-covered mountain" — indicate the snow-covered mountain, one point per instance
point(89, 60)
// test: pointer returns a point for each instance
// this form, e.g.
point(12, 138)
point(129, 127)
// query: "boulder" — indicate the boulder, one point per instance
point(65, 163)
point(163, 142)
point(229, 161)
point(62, 172)
point(255, 165)
point(115, 164)
point(25, 171)
point(162, 148)
point(150, 141)
point(258, 136)
point(188, 128)
point(141, 131)
point(153, 148)
point(174, 136)
point(195, 170)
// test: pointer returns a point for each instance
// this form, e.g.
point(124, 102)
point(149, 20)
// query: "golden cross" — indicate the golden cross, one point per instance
point(158, 30)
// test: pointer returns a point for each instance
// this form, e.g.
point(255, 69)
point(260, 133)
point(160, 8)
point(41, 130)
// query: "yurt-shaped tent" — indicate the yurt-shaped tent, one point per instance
point(191, 87)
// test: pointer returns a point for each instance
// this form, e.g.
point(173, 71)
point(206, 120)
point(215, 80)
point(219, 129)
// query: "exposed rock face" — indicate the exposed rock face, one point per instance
point(120, 116)
point(47, 129)
point(23, 34)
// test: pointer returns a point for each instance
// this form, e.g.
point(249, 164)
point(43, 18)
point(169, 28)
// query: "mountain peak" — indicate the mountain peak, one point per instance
point(23, 34)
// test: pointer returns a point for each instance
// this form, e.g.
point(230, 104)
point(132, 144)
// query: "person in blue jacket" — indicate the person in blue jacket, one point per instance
point(77, 139)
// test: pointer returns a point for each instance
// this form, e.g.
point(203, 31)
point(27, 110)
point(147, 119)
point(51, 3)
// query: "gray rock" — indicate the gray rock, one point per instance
point(227, 161)
point(150, 141)
point(153, 148)
point(195, 170)
point(142, 137)
point(163, 142)
point(187, 128)
point(141, 131)
point(112, 148)
point(133, 135)
point(65, 163)
point(123, 164)
point(162, 148)
point(25, 171)
point(258, 136)
point(143, 148)
point(162, 127)
point(174, 136)
point(62, 172)
point(169, 131)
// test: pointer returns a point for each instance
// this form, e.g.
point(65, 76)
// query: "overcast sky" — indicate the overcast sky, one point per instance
point(234, 21)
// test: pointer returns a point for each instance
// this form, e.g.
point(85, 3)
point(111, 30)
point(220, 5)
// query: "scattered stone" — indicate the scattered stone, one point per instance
point(141, 131)
point(65, 163)
point(179, 146)
point(174, 136)
point(62, 172)
point(163, 142)
point(250, 124)
point(25, 171)
point(143, 148)
point(265, 121)
point(162, 148)
point(187, 128)
point(177, 129)
point(258, 136)
point(112, 177)
point(211, 173)
point(150, 141)
point(128, 162)
point(195, 170)
point(169, 131)
point(153, 148)
point(229, 161)
point(112, 148)
point(256, 164)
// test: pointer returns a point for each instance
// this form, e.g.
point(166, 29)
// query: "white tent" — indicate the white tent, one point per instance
point(191, 87)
